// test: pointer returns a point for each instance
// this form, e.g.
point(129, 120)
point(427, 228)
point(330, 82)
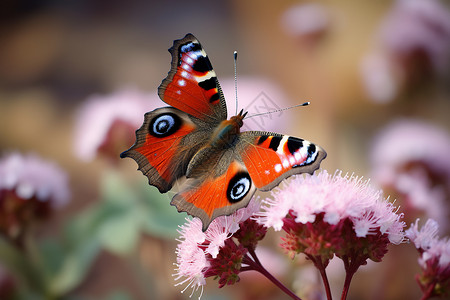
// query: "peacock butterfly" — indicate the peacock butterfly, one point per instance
point(193, 138)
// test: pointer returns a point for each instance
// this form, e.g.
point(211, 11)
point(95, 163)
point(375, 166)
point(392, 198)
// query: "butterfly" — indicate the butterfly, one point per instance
point(193, 138)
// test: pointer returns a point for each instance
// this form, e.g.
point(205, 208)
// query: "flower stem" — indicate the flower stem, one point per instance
point(348, 279)
point(317, 260)
point(429, 291)
point(255, 265)
point(351, 266)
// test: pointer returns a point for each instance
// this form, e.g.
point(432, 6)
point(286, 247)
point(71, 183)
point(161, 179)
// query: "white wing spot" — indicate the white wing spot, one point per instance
point(304, 151)
point(278, 168)
point(285, 163)
point(184, 74)
point(189, 60)
point(207, 76)
point(281, 145)
point(291, 160)
point(181, 82)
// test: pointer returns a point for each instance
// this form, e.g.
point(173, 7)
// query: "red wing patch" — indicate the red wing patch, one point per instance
point(210, 197)
point(159, 149)
point(192, 85)
point(271, 158)
point(160, 152)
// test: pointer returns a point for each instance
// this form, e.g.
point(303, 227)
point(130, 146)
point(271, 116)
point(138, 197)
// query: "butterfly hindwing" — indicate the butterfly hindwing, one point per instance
point(258, 160)
point(271, 157)
point(218, 186)
point(165, 144)
point(191, 84)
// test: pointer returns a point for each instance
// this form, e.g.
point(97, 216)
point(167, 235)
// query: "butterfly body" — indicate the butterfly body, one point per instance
point(193, 138)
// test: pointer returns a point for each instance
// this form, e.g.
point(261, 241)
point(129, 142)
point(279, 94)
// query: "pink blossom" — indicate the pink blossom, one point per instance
point(191, 260)
point(411, 158)
point(30, 176)
point(434, 259)
point(380, 76)
point(218, 232)
point(104, 121)
point(418, 25)
point(337, 197)
point(305, 20)
point(333, 215)
point(201, 254)
point(30, 188)
point(412, 42)
point(423, 238)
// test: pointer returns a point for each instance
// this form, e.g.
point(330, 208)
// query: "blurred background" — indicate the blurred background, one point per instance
point(76, 78)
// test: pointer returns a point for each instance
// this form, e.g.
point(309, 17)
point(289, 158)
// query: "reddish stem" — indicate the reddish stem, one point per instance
point(255, 265)
point(429, 291)
point(317, 260)
point(348, 279)
point(351, 266)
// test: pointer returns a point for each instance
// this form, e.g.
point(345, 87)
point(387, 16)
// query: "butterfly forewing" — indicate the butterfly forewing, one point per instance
point(191, 84)
point(165, 144)
point(271, 157)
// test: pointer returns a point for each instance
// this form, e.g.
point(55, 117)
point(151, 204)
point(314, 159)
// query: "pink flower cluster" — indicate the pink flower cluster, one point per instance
point(214, 253)
point(418, 26)
point(29, 189)
point(410, 159)
point(106, 124)
point(324, 215)
point(412, 43)
point(434, 259)
point(334, 199)
point(31, 177)
point(309, 20)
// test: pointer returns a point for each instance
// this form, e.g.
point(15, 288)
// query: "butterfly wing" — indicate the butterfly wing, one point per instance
point(271, 157)
point(218, 184)
point(192, 85)
point(227, 179)
point(165, 144)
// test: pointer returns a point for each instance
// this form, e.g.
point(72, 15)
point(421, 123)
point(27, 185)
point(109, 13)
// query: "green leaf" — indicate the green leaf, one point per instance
point(121, 234)
point(74, 267)
point(20, 267)
point(119, 295)
point(162, 219)
point(151, 208)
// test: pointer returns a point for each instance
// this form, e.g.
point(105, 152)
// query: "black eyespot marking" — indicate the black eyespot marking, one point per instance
point(311, 149)
point(208, 83)
point(238, 187)
point(262, 139)
point(202, 64)
point(294, 144)
point(164, 125)
point(214, 97)
point(275, 142)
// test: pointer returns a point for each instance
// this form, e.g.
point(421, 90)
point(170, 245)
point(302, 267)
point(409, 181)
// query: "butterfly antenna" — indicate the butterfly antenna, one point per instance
point(235, 79)
point(278, 110)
